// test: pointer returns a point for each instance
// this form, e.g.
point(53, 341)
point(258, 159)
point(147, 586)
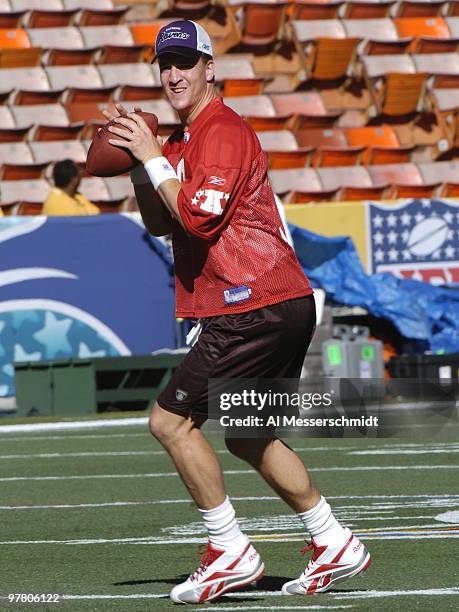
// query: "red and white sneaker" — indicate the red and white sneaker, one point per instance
point(220, 571)
point(329, 566)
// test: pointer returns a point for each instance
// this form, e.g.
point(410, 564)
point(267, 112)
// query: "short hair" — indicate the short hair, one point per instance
point(208, 58)
point(64, 171)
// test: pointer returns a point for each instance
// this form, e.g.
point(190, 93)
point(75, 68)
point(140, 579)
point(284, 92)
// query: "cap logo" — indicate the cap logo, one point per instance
point(178, 35)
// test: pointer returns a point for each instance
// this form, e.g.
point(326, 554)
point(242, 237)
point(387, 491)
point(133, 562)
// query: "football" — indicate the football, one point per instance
point(105, 159)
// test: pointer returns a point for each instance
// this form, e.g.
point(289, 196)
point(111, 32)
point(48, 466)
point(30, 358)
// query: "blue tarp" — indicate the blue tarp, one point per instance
point(418, 310)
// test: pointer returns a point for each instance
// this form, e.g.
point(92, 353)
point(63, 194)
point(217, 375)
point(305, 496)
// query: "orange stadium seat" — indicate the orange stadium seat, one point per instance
point(85, 111)
point(326, 157)
point(102, 17)
point(146, 33)
point(262, 23)
point(33, 96)
point(452, 8)
point(13, 134)
point(355, 193)
point(27, 208)
point(61, 77)
point(45, 114)
point(86, 94)
point(400, 94)
point(29, 190)
point(426, 44)
point(140, 92)
point(56, 38)
point(44, 152)
point(267, 124)
point(298, 158)
point(295, 179)
point(10, 20)
point(388, 155)
point(24, 78)
point(39, 18)
point(242, 87)
point(420, 8)
point(97, 36)
point(20, 58)
point(20, 172)
point(361, 9)
point(69, 57)
point(115, 54)
point(435, 27)
point(304, 197)
point(357, 176)
point(386, 47)
point(413, 191)
point(301, 125)
point(330, 59)
point(308, 9)
point(15, 38)
point(329, 137)
point(450, 190)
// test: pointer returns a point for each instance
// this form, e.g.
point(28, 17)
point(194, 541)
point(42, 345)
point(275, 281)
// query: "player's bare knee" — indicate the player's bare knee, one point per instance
point(167, 427)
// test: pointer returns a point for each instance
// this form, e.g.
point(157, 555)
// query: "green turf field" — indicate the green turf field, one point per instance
point(99, 517)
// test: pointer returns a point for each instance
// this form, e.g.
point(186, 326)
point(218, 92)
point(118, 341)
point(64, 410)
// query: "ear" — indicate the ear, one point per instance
point(210, 71)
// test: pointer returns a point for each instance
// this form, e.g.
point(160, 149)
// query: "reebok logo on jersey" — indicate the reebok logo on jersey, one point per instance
point(180, 395)
point(216, 180)
point(210, 200)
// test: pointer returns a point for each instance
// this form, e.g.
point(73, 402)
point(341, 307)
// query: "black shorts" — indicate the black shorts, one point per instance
point(269, 342)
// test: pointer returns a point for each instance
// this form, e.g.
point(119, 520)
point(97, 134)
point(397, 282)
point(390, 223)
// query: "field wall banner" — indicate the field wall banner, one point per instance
point(417, 239)
point(81, 287)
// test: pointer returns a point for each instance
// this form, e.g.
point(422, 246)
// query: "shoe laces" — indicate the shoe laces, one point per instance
point(208, 556)
point(316, 551)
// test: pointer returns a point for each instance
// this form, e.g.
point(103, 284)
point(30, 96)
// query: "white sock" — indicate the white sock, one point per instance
point(323, 526)
point(223, 529)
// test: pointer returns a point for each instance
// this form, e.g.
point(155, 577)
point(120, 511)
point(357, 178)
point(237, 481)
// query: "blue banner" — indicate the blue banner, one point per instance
point(81, 287)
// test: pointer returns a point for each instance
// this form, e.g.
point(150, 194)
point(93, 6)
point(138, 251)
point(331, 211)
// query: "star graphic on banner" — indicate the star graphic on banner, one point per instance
point(436, 254)
point(379, 255)
point(405, 235)
point(54, 335)
point(392, 237)
point(419, 217)
point(450, 251)
point(406, 218)
point(450, 235)
point(378, 221)
point(406, 255)
point(393, 255)
point(448, 217)
point(21, 355)
point(391, 220)
point(84, 351)
point(425, 203)
point(378, 238)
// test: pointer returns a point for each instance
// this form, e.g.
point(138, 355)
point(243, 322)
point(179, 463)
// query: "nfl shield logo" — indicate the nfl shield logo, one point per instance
point(180, 395)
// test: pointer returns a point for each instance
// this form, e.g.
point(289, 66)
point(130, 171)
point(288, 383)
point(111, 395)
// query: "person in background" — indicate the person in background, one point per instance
point(64, 199)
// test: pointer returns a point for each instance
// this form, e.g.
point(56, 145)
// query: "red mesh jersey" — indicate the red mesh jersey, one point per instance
point(233, 256)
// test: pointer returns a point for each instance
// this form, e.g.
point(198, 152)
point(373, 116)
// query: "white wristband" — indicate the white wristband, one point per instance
point(159, 170)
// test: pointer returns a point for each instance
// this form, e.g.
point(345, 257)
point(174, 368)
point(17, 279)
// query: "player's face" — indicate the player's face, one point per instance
point(185, 81)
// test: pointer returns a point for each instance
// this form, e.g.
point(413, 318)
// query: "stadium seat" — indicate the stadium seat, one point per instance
point(74, 76)
point(15, 153)
point(242, 87)
point(45, 114)
point(262, 23)
point(94, 188)
point(234, 67)
point(111, 206)
point(97, 36)
point(34, 96)
point(86, 94)
point(328, 59)
point(29, 190)
point(277, 140)
point(396, 174)
point(44, 152)
point(115, 54)
point(449, 190)
point(13, 134)
point(15, 38)
point(91, 4)
point(388, 155)
point(308, 9)
point(257, 106)
point(357, 176)
point(27, 5)
point(329, 137)
point(413, 191)
point(267, 124)
point(40, 18)
point(325, 157)
point(85, 111)
point(426, 44)
point(139, 92)
point(119, 187)
point(304, 197)
point(356, 193)
point(303, 103)
point(23, 78)
point(361, 9)
point(452, 8)
point(102, 17)
point(304, 179)
point(6, 118)
point(453, 25)
point(27, 208)
point(56, 38)
point(162, 109)
point(435, 27)
point(10, 20)
point(380, 29)
point(20, 172)
point(301, 125)
point(44, 133)
point(437, 63)
point(399, 94)
point(69, 57)
point(20, 58)
point(440, 171)
point(376, 66)
point(146, 33)
point(298, 158)
point(420, 8)
point(307, 30)
point(127, 74)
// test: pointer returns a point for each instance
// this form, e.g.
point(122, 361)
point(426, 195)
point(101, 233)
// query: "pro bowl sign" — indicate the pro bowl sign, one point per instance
point(416, 239)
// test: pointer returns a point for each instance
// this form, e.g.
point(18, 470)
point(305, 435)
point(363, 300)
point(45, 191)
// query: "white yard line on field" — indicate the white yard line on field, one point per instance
point(362, 468)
